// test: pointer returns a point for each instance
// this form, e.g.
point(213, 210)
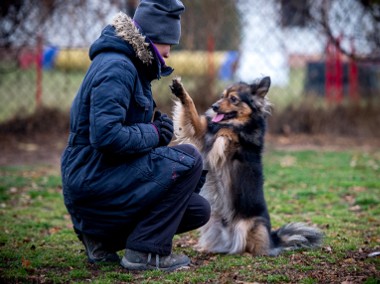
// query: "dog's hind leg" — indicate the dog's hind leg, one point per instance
point(214, 237)
point(239, 236)
point(258, 239)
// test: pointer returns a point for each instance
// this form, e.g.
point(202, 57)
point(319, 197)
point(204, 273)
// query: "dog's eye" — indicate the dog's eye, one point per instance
point(234, 100)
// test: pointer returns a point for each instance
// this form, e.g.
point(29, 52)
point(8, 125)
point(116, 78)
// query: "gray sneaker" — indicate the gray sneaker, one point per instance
point(135, 260)
point(97, 252)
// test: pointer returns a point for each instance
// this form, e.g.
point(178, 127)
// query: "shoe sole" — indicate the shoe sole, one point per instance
point(142, 266)
point(112, 259)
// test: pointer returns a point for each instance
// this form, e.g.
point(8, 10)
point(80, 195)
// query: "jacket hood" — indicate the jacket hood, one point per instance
point(123, 36)
point(127, 30)
point(114, 36)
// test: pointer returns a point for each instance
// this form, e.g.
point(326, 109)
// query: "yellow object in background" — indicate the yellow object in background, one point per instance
point(185, 63)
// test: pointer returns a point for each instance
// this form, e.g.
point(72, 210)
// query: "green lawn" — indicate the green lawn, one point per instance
point(337, 191)
point(18, 90)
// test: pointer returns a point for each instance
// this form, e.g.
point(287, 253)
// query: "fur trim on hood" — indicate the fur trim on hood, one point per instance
point(126, 29)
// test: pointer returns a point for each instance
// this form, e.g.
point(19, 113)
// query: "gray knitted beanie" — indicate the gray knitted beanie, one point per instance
point(160, 20)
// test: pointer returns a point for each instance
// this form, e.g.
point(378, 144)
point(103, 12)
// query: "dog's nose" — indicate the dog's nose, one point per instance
point(215, 107)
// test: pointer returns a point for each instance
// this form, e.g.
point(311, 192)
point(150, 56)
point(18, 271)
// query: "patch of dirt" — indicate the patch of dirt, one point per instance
point(36, 139)
point(321, 142)
point(40, 138)
point(46, 148)
point(311, 117)
point(41, 149)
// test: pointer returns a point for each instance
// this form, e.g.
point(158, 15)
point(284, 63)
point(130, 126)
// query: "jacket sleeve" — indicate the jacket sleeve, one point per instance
point(113, 87)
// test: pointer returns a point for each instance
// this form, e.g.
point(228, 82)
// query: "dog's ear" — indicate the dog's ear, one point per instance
point(261, 86)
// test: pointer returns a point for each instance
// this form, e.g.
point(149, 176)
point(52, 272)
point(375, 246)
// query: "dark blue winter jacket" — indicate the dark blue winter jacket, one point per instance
point(112, 167)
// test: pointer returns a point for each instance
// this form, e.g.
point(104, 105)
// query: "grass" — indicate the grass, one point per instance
point(18, 90)
point(337, 191)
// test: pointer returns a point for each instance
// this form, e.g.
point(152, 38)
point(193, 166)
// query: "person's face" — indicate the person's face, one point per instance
point(163, 49)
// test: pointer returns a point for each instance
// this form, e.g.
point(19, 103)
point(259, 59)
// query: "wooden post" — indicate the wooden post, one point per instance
point(338, 74)
point(329, 72)
point(353, 77)
point(39, 59)
point(333, 73)
point(211, 54)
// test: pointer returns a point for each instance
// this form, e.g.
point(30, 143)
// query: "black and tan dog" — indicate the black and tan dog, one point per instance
point(230, 137)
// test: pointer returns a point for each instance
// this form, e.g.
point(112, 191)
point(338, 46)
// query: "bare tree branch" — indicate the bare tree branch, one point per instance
point(372, 38)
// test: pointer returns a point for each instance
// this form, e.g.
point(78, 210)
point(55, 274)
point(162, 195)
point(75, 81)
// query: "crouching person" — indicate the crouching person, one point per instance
point(123, 186)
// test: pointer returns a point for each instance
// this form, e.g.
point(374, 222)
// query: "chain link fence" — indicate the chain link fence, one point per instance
point(324, 49)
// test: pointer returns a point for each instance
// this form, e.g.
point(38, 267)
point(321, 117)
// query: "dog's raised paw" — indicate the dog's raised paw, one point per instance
point(177, 87)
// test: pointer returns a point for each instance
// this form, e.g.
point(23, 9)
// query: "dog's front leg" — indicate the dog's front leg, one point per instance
point(179, 91)
point(225, 143)
point(185, 113)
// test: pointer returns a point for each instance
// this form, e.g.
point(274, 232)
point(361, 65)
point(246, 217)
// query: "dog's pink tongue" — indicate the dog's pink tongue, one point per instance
point(218, 117)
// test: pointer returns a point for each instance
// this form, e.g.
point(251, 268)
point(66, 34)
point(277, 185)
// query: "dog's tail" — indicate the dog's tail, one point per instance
point(295, 236)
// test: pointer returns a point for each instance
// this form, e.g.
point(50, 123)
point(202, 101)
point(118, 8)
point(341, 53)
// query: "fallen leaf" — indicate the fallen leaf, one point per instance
point(54, 230)
point(244, 282)
point(328, 249)
point(13, 190)
point(355, 208)
point(25, 262)
point(349, 260)
point(349, 199)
